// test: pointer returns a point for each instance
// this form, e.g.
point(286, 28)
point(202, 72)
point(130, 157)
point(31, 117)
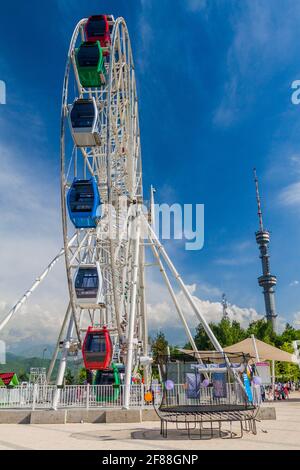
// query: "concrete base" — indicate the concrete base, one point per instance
point(15, 416)
point(95, 416)
point(123, 416)
point(85, 416)
point(48, 417)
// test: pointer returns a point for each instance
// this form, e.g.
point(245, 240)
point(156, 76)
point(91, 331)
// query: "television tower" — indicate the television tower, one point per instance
point(225, 305)
point(267, 281)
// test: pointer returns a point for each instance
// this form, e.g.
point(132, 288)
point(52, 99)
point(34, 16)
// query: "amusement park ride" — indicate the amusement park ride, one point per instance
point(102, 199)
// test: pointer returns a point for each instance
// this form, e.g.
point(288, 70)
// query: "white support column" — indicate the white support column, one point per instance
point(178, 308)
point(273, 379)
point(36, 283)
point(186, 292)
point(136, 238)
point(174, 298)
point(152, 207)
point(144, 312)
point(60, 337)
point(63, 362)
point(255, 348)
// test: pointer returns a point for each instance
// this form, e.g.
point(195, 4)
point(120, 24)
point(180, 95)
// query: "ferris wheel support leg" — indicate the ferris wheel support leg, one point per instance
point(176, 303)
point(63, 363)
point(192, 303)
point(144, 313)
point(37, 282)
point(55, 353)
point(136, 236)
point(115, 297)
point(174, 298)
point(186, 292)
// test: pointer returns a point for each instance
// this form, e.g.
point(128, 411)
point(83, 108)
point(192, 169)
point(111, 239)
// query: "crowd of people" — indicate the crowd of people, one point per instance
point(282, 390)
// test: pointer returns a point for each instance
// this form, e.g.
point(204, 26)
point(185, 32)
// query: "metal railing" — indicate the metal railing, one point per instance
point(179, 396)
point(106, 396)
point(73, 396)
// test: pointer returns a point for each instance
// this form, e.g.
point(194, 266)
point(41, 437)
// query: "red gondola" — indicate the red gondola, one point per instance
point(97, 29)
point(97, 349)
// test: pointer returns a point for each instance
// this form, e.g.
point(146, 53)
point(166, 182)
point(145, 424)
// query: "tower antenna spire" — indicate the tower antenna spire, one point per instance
point(267, 281)
point(259, 212)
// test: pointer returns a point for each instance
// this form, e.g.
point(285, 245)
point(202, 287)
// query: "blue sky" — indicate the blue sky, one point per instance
point(214, 84)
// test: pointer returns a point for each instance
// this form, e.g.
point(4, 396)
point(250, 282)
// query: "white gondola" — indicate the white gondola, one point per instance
point(84, 123)
point(88, 284)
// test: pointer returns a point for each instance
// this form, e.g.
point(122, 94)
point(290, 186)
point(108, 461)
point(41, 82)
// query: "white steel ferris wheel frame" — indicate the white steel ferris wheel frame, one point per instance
point(116, 164)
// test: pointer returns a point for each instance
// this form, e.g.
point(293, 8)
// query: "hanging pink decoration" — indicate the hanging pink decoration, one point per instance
point(205, 383)
point(169, 384)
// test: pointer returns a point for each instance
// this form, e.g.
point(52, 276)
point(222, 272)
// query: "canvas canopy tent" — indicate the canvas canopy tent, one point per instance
point(265, 351)
point(209, 356)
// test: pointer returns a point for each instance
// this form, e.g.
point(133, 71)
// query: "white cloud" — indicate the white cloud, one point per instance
point(209, 290)
point(290, 196)
point(294, 283)
point(31, 236)
point(162, 313)
point(264, 40)
point(296, 321)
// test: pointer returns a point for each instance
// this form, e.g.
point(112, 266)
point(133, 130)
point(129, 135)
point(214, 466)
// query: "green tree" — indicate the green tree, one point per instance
point(230, 332)
point(69, 378)
point(82, 376)
point(286, 370)
point(23, 376)
point(159, 345)
point(289, 335)
point(262, 330)
point(201, 339)
point(227, 332)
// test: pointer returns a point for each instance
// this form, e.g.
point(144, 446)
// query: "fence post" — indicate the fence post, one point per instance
point(87, 396)
point(35, 390)
point(142, 404)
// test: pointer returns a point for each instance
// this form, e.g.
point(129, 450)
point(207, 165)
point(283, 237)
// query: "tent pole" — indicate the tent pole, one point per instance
point(273, 379)
point(255, 348)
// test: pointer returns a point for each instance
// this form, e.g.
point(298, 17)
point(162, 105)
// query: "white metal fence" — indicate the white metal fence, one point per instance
point(73, 396)
point(107, 396)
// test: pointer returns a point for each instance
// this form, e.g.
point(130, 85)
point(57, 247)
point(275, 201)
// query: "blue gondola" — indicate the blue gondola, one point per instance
point(84, 204)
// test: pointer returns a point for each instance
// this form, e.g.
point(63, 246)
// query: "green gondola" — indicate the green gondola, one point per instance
point(90, 64)
point(108, 377)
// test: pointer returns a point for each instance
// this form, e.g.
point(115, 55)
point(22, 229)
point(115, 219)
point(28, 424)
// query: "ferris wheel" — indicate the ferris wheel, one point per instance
point(105, 228)
point(101, 188)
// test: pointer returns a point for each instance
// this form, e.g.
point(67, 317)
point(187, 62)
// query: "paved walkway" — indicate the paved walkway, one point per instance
point(284, 433)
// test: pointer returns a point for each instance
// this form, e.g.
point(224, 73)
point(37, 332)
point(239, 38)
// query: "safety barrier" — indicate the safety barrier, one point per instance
point(73, 396)
point(101, 396)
